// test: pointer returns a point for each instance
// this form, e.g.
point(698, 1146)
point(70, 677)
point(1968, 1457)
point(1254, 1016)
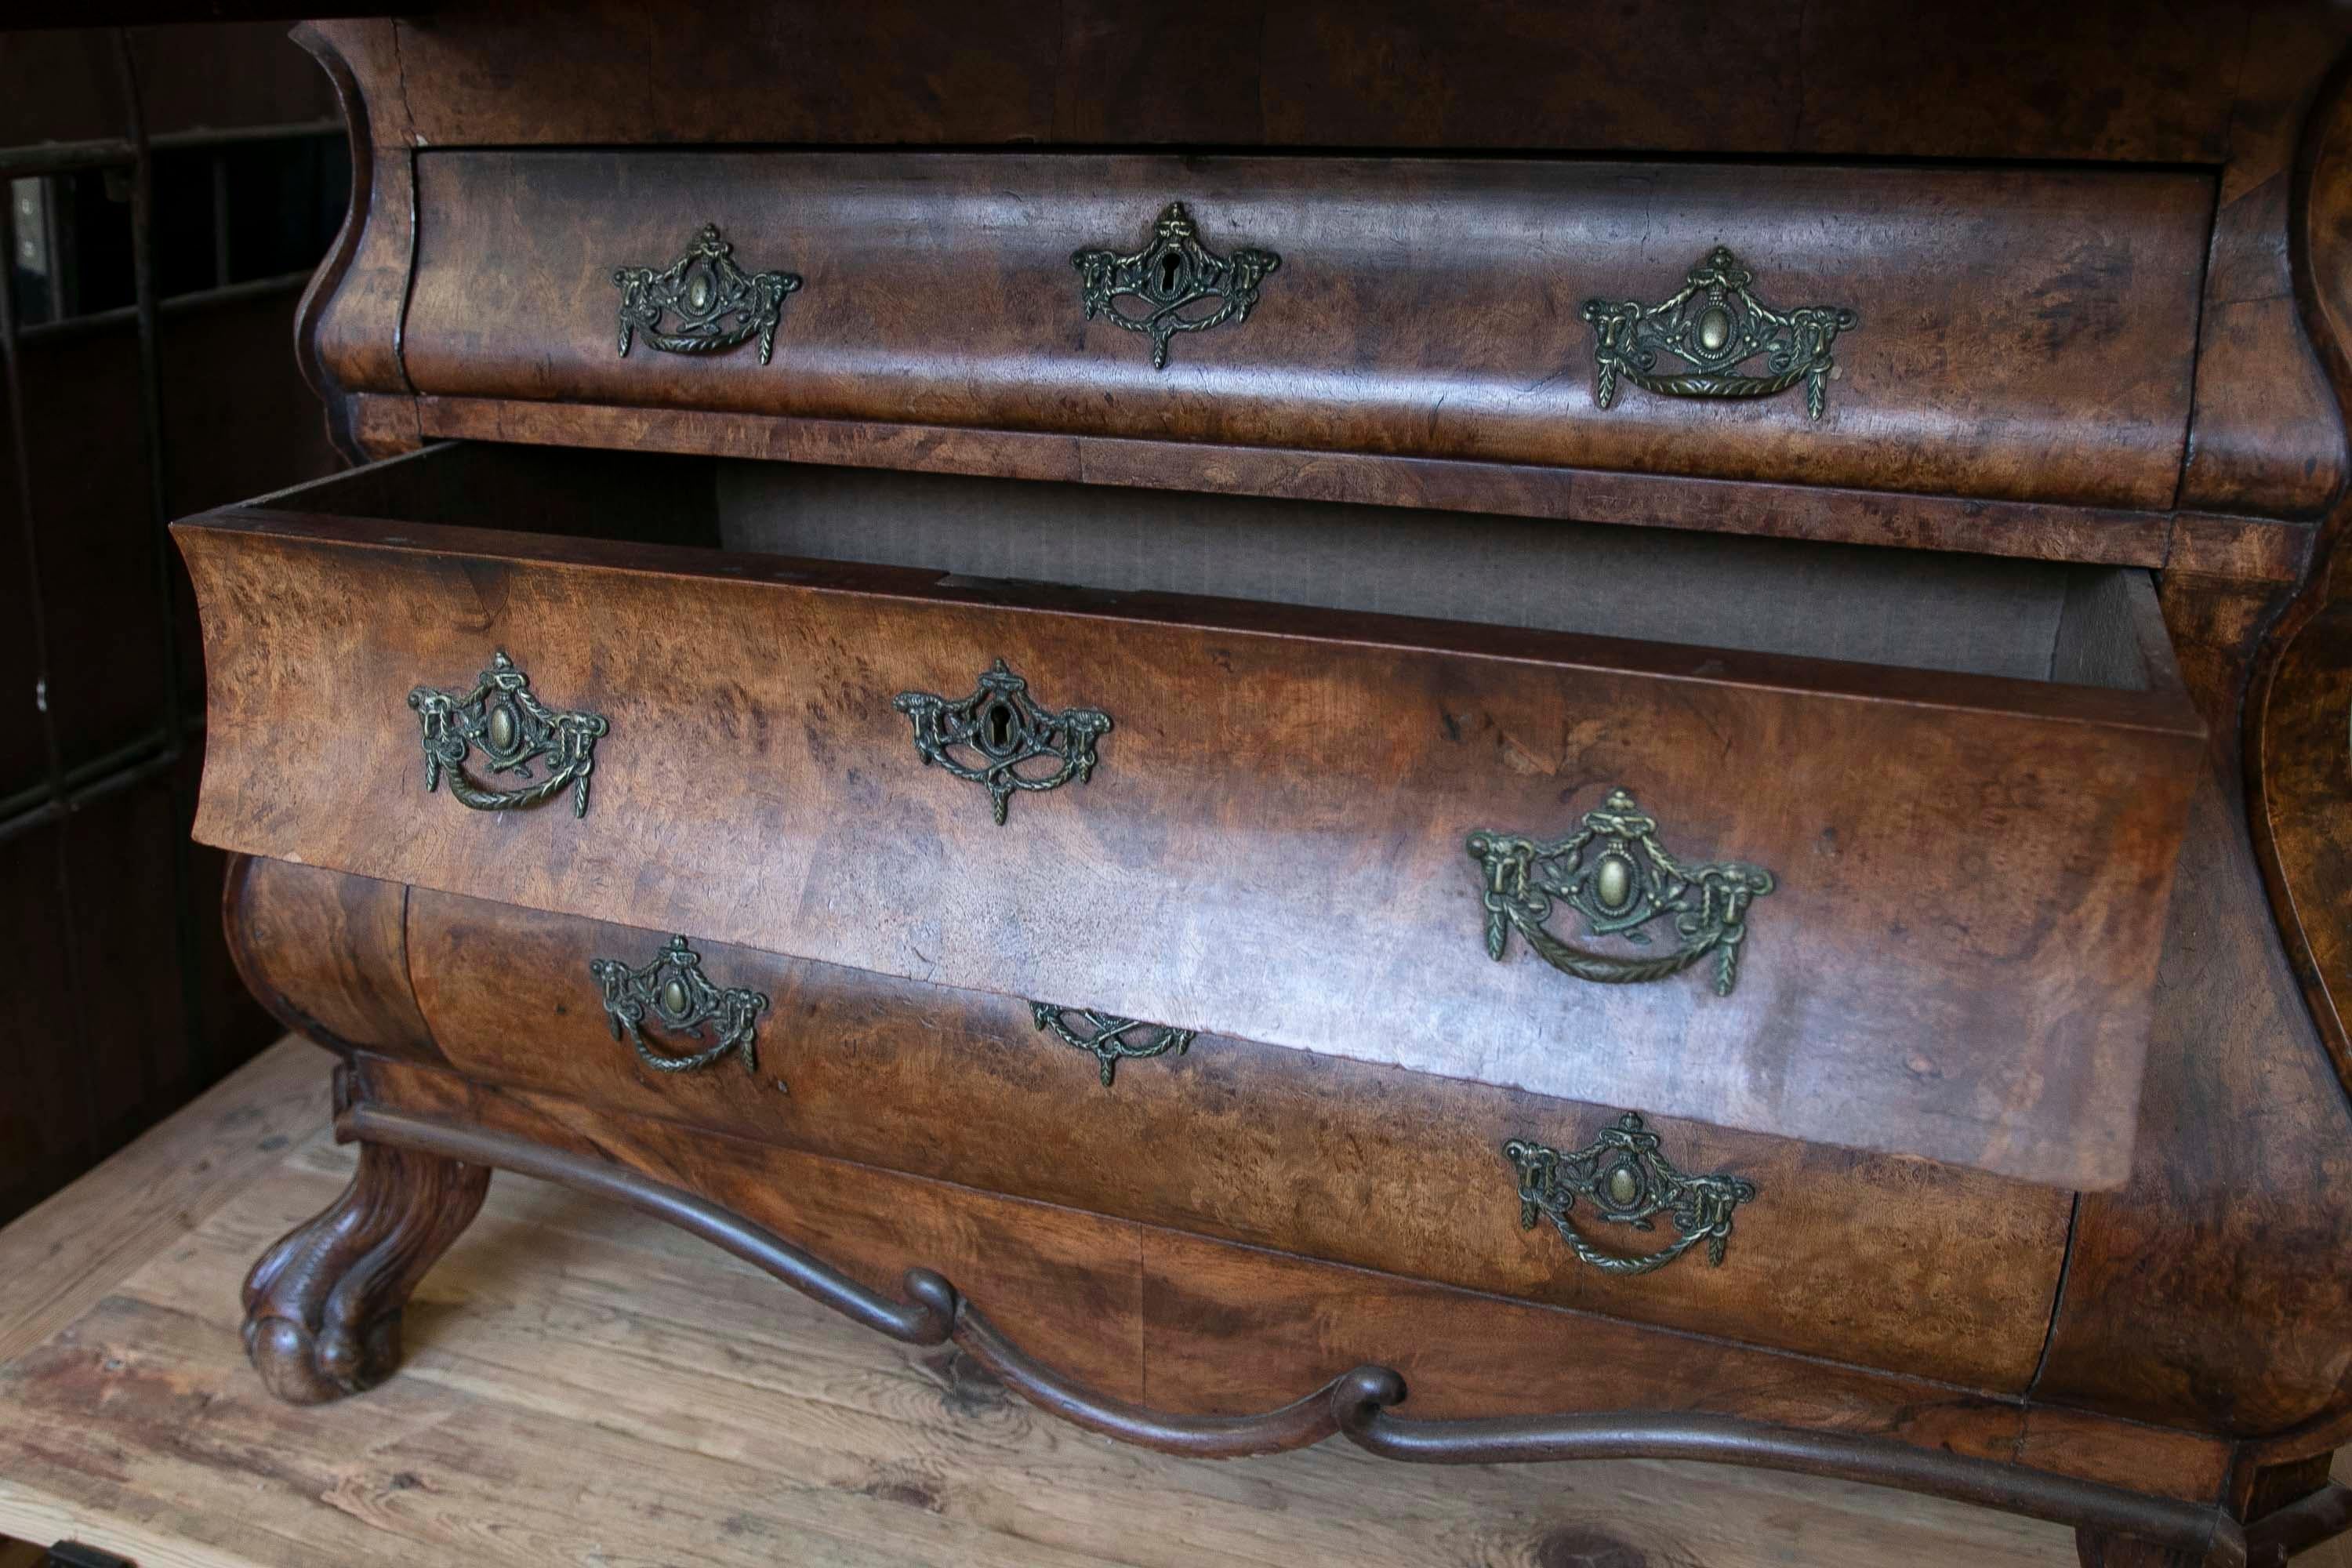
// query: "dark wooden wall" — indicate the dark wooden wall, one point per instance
point(123, 1001)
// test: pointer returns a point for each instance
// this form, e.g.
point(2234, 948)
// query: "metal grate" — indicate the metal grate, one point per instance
point(117, 237)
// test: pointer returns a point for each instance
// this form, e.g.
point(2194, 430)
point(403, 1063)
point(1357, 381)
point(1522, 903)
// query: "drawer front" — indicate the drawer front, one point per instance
point(2024, 335)
point(1276, 836)
point(1944, 1273)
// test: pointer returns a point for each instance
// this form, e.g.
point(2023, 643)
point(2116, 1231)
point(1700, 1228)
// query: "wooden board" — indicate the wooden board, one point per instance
point(587, 1386)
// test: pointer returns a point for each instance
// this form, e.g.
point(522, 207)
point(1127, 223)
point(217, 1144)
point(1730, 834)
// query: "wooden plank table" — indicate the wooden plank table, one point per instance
point(587, 1386)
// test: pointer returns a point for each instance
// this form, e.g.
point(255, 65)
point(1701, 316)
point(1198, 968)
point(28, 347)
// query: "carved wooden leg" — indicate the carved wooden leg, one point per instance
point(322, 1306)
point(2100, 1550)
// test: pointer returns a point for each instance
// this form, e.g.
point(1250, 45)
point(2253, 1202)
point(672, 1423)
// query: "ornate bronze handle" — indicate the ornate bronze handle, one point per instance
point(674, 991)
point(1170, 274)
point(716, 304)
point(1715, 325)
point(1628, 1182)
point(1110, 1039)
point(515, 732)
point(999, 728)
point(1614, 873)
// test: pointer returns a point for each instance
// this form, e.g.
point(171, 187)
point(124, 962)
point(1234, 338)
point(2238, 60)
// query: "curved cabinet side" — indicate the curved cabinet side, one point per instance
point(2210, 1291)
point(348, 330)
point(328, 954)
point(2298, 764)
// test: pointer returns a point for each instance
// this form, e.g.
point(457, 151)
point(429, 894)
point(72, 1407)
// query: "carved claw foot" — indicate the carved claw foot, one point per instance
point(322, 1306)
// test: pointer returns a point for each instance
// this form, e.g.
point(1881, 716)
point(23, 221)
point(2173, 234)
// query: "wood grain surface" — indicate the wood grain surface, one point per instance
point(1937, 1271)
point(2215, 85)
point(60, 1258)
point(1427, 309)
point(1964, 933)
point(2034, 531)
point(2009, 76)
point(1096, 1299)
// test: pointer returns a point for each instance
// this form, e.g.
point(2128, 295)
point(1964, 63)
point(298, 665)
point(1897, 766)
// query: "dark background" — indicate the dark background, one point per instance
point(164, 195)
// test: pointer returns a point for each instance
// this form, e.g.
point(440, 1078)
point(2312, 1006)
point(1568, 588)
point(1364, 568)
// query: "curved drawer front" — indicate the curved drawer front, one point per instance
point(2002, 333)
point(1871, 906)
point(1938, 1272)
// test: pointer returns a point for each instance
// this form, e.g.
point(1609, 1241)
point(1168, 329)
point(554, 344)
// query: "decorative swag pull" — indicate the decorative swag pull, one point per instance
point(516, 733)
point(703, 302)
point(1617, 877)
point(1628, 1182)
point(1108, 1039)
point(673, 992)
point(1714, 325)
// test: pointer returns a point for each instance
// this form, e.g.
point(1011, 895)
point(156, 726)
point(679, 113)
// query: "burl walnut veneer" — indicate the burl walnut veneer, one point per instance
point(1415, 728)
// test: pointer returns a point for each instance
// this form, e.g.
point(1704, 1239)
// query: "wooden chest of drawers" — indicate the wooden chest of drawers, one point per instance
point(1587, 767)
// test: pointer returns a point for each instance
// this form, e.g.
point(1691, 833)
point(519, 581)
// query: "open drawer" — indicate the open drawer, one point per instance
point(1911, 904)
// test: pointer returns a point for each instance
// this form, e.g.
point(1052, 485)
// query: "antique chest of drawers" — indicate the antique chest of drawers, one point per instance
point(1323, 741)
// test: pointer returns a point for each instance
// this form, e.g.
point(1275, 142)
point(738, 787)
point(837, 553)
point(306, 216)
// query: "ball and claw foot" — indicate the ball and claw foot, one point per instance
point(322, 1306)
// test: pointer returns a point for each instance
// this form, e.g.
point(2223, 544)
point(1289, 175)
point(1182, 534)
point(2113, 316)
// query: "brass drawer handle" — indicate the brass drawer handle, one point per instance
point(1171, 273)
point(1628, 1182)
point(516, 732)
point(1110, 1039)
point(1714, 325)
point(1614, 873)
point(989, 735)
point(675, 994)
point(714, 304)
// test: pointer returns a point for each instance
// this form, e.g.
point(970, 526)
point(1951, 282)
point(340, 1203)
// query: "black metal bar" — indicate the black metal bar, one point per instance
point(75, 1554)
point(88, 782)
point(12, 385)
point(220, 221)
point(12, 380)
point(234, 135)
point(64, 158)
point(177, 305)
point(119, 152)
point(197, 1038)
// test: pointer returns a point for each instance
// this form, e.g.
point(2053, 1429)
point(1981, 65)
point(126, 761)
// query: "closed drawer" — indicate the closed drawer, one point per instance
point(1932, 1270)
point(2014, 333)
point(1352, 834)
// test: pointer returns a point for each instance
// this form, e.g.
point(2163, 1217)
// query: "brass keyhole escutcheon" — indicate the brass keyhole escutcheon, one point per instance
point(1170, 278)
point(1001, 739)
point(999, 734)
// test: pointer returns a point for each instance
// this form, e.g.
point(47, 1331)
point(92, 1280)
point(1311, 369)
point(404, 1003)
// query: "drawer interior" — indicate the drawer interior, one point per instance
point(2022, 620)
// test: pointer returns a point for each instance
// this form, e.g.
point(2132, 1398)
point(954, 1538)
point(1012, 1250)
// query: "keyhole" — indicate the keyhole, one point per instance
point(1170, 266)
point(999, 727)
